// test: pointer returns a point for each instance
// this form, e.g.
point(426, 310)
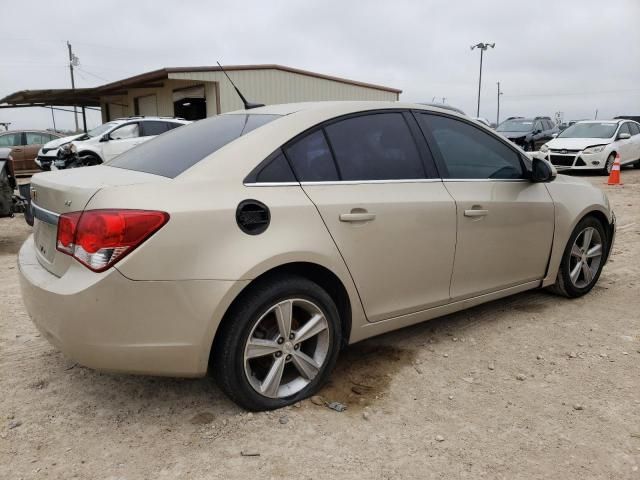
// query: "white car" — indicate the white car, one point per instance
point(593, 145)
point(49, 151)
point(117, 136)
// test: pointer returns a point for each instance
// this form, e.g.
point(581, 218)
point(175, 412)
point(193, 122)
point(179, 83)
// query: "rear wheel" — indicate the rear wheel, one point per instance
point(278, 345)
point(583, 259)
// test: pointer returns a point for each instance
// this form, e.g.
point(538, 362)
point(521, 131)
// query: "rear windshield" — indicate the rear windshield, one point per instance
point(590, 130)
point(173, 152)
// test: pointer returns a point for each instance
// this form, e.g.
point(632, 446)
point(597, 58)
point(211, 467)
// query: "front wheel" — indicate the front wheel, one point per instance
point(606, 170)
point(278, 345)
point(583, 259)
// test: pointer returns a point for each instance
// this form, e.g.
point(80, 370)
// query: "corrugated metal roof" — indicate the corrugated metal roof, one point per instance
point(91, 96)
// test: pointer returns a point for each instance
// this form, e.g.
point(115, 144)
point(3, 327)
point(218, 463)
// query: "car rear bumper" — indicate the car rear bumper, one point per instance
point(108, 322)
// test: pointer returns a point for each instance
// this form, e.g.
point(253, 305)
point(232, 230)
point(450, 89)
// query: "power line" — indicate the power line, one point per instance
point(572, 94)
point(93, 74)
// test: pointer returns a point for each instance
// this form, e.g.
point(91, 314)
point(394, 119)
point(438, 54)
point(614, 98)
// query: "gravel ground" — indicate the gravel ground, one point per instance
point(532, 386)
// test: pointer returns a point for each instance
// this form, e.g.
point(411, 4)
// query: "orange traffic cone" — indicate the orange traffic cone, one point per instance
point(614, 176)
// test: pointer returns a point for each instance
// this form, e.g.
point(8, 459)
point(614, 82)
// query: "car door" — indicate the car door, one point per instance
point(120, 140)
point(505, 222)
point(635, 140)
point(13, 140)
point(625, 145)
point(393, 222)
point(34, 142)
point(151, 128)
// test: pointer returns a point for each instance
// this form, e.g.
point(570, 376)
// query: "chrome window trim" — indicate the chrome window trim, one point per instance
point(510, 180)
point(44, 215)
point(374, 182)
point(271, 184)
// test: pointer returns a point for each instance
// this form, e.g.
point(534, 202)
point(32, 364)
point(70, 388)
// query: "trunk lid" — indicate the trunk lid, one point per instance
point(58, 192)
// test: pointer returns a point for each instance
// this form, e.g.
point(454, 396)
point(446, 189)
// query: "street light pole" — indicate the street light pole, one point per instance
point(482, 47)
point(498, 114)
point(73, 61)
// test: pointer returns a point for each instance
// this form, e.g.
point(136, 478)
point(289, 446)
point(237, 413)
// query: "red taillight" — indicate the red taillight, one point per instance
point(100, 238)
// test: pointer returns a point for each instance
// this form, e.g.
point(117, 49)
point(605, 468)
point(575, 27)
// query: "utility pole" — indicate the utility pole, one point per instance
point(53, 117)
point(73, 61)
point(498, 114)
point(482, 47)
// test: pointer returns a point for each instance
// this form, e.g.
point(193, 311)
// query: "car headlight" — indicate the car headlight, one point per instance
point(594, 149)
point(544, 148)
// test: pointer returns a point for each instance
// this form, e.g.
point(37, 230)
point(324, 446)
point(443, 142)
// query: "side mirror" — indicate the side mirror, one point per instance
point(105, 138)
point(624, 136)
point(542, 171)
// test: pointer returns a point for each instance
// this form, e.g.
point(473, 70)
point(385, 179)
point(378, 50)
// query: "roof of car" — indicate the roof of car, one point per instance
point(31, 130)
point(602, 121)
point(337, 107)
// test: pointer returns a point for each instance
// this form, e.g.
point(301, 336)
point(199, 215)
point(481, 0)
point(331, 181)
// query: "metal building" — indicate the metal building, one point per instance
point(198, 92)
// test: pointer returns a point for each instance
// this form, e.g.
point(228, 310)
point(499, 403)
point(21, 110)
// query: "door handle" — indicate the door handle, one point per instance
point(357, 217)
point(476, 213)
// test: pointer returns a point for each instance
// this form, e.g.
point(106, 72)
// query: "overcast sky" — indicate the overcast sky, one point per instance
point(574, 56)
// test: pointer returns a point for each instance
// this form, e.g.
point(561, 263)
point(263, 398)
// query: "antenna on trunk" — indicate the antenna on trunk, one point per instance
point(247, 105)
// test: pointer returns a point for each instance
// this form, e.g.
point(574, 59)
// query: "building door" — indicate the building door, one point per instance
point(146, 106)
point(190, 103)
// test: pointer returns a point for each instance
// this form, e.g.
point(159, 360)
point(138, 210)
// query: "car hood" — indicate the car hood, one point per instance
point(514, 134)
point(576, 143)
point(58, 142)
point(571, 180)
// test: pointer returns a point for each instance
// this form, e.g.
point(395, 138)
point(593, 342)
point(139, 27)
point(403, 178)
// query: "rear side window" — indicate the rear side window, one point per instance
point(470, 153)
point(635, 129)
point(312, 160)
point(10, 139)
point(171, 154)
point(152, 127)
point(375, 147)
point(276, 169)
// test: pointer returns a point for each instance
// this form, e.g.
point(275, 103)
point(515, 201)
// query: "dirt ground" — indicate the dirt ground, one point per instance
point(439, 400)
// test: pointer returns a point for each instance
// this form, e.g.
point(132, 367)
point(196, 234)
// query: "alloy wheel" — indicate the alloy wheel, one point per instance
point(287, 348)
point(586, 255)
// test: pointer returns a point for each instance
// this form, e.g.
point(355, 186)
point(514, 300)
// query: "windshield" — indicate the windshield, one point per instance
point(516, 126)
point(589, 130)
point(99, 130)
point(173, 152)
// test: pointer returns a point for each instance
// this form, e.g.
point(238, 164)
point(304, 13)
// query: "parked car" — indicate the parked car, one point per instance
point(113, 138)
point(593, 145)
point(483, 120)
point(49, 151)
point(257, 244)
point(24, 146)
point(528, 133)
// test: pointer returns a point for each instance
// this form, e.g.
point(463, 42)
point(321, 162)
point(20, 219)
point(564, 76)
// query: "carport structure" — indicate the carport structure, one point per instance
point(197, 92)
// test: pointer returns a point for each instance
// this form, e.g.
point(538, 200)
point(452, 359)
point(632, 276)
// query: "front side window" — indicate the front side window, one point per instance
point(375, 147)
point(624, 128)
point(10, 140)
point(469, 152)
point(311, 159)
point(130, 130)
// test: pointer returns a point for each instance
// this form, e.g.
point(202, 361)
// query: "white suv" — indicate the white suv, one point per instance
point(113, 138)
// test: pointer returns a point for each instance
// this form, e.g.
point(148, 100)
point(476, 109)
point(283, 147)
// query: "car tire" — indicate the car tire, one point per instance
point(606, 170)
point(90, 159)
point(588, 234)
point(251, 349)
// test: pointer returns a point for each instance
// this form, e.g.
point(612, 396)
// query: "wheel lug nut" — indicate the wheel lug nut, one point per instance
point(291, 336)
point(278, 354)
point(288, 357)
point(296, 346)
point(280, 341)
